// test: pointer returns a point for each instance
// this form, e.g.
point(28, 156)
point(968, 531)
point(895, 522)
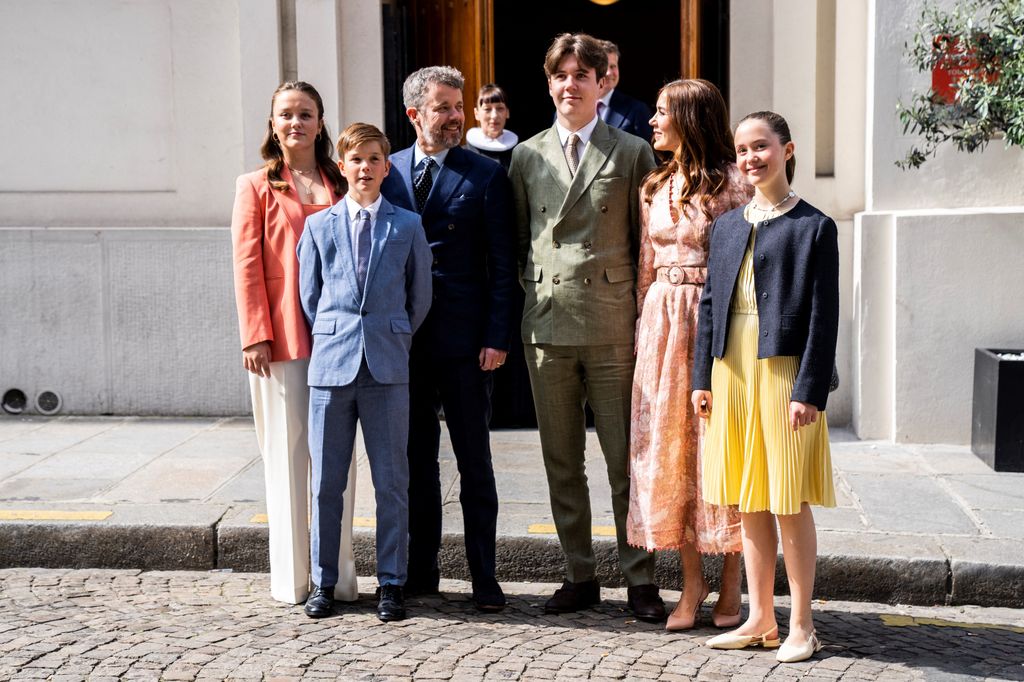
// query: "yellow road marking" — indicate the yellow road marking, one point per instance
point(549, 529)
point(52, 515)
point(357, 521)
point(897, 621)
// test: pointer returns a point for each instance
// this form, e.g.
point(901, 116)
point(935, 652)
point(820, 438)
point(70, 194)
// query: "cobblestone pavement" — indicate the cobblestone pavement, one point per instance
point(114, 624)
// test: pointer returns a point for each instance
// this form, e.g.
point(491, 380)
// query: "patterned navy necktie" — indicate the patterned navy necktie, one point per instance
point(362, 246)
point(425, 180)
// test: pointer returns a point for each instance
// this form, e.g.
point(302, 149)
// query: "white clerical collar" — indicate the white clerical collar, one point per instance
point(418, 155)
point(478, 138)
point(583, 133)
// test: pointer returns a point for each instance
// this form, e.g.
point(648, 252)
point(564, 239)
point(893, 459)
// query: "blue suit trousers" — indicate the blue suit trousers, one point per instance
point(382, 410)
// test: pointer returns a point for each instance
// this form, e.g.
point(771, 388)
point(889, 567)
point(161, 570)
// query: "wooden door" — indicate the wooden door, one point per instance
point(457, 33)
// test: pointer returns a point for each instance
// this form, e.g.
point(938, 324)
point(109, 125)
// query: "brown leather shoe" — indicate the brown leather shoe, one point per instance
point(646, 603)
point(573, 597)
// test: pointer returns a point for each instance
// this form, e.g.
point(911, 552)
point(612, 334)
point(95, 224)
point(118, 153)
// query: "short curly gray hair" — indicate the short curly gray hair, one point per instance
point(414, 91)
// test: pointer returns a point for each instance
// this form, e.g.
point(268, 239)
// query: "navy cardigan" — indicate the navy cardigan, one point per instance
point(796, 276)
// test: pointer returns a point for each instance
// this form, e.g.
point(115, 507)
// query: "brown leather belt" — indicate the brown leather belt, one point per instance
point(678, 275)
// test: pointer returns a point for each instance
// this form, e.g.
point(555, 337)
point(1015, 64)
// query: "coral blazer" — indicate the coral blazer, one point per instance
point(265, 228)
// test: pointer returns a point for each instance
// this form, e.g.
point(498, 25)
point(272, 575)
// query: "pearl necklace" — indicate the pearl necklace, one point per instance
point(768, 212)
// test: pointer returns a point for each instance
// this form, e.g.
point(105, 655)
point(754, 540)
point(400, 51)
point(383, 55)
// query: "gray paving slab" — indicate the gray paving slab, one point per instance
point(1002, 490)
point(913, 523)
point(904, 502)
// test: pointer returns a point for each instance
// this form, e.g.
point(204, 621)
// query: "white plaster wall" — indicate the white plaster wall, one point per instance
point(122, 321)
point(933, 286)
point(126, 113)
point(952, 179)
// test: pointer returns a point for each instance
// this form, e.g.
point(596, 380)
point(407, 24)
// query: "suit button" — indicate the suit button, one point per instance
point(586, 280)
point(435, 261)
point(451, 226)
point(557, 245)
point(761, 256)
point(764, 223)
point(586, 245)
point(765, 332)
point(604, 209)
point(764, 295)
point(543, 209)
point(555, 280)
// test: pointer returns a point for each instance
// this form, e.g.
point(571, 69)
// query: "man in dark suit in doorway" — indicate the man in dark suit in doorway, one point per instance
point(465, 203)
point(618, 109)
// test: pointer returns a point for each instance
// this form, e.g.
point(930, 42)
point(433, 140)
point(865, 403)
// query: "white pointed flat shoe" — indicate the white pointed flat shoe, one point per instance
point(794, 653)
point(730, 640)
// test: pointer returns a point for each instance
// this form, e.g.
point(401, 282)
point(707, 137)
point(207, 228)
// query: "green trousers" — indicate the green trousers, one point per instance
point(564, 379)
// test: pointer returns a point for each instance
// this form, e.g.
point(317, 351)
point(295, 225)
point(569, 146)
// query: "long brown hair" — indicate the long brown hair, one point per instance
point(700, 119)
point(324, 150)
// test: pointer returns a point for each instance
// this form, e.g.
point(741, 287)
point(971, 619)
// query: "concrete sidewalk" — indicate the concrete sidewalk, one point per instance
point(918, 524)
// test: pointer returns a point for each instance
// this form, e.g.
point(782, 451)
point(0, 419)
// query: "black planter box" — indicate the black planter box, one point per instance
point(997, 426)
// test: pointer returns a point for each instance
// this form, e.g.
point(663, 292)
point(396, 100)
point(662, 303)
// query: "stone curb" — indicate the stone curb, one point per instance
point(883, 569)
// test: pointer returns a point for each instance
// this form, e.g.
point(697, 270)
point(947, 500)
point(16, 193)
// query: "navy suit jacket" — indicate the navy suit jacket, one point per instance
point(379, 323)
point(796, 275)
point(468, 222)
point(629, 114)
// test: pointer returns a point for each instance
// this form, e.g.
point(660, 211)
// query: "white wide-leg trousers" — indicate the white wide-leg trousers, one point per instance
point(280, 408)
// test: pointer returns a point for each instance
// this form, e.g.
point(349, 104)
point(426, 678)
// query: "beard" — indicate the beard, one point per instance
point(442, 137)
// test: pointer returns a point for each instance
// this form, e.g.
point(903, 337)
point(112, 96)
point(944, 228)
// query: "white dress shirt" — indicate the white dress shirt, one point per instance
point(353, 218)
point(583, 134)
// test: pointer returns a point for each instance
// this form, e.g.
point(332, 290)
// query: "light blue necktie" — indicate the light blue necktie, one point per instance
point(362, 246)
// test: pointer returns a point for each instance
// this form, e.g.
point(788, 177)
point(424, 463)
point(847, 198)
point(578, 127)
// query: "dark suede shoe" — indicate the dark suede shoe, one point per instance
point(488, 596)
point(646, 603)
point(320, 603)
point(390, 603)
point(573, 597)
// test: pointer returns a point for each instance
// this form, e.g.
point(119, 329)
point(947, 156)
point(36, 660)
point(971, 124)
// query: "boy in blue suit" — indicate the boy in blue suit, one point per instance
point(365, 287)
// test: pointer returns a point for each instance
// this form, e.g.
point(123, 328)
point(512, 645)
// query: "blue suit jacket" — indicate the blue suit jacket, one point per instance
point(796, 275)
point(380, 323)
point(629, 114)
point(468, 222)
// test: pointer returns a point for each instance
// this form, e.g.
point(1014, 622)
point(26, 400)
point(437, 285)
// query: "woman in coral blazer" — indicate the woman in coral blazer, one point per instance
point(271, 205)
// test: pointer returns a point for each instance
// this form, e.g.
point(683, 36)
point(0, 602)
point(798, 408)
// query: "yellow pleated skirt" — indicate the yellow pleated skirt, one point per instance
point(752, 458)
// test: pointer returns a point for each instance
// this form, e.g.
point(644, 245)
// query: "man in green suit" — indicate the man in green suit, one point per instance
point(577, 206)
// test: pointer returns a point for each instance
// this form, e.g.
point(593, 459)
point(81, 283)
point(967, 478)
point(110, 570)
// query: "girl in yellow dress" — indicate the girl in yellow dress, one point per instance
point(766, 341)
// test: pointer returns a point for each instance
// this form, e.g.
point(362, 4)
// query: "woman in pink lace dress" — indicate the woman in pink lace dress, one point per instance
point(680, 200)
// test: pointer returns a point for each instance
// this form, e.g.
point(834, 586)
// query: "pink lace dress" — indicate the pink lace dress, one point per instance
point(666, 509)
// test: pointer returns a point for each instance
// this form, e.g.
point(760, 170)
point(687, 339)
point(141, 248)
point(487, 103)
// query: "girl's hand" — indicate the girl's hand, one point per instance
point(701, 401)
point(256, 358)
point(801, 414)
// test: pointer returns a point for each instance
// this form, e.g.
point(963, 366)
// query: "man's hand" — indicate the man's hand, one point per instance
point(701, 401)
point(801, 414)
point(491, 359)
point(256, 358)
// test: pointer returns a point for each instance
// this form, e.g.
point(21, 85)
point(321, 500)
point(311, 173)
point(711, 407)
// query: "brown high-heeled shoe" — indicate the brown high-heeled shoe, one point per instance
point(725, 620)
point(677, 621)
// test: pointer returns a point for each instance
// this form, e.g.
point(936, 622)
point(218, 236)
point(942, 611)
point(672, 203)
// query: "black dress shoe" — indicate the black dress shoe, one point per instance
point(573, 597)
point(422, 583)
point(487, 595)
point(390, 603)
point(646, 603)
point(320, 604)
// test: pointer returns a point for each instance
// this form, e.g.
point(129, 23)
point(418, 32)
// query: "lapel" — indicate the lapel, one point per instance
point(597, 152)
point(447, 180)
point(615, 118)
point(342, 234)
point(290, 203)
point(401, 163)
point(380, 232)
point(558, 169)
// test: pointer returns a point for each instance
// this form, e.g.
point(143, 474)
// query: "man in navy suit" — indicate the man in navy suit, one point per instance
point(465, 204)
point(364, 285)
point(618, 109)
